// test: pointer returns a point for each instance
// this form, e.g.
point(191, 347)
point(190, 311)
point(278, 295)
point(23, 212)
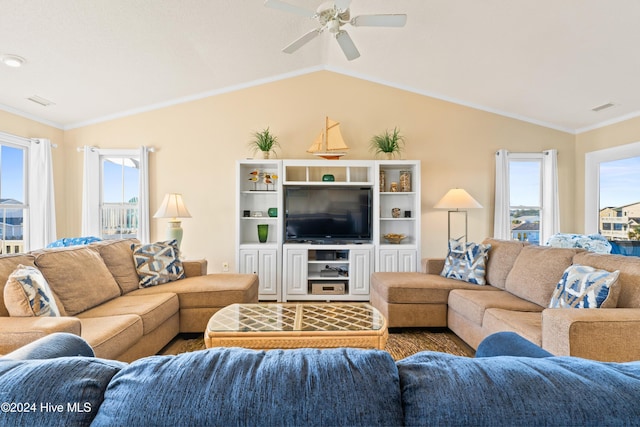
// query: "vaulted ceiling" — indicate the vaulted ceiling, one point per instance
point(547, 61)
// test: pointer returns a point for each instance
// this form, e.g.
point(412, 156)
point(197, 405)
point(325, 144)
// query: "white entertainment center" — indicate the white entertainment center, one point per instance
point(319, 264)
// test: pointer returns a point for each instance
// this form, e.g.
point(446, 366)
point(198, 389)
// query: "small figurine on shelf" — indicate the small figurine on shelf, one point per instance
point(254, 176)
point(270, 178)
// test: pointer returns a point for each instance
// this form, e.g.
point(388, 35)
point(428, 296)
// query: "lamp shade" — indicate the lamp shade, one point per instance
point(172, 207)
point(457, 198)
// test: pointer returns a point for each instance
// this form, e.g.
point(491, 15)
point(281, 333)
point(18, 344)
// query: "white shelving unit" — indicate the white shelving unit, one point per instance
point(404, 256)
point(327, 272)
point(254, 200)
point(304, 271)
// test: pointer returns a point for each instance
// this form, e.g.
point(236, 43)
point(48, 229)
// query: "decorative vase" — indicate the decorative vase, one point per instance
point(263, 232)
point(272, 212)
point(266, 154)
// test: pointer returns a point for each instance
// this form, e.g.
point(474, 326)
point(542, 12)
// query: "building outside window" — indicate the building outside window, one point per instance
point(13, 207)
point(525, 197)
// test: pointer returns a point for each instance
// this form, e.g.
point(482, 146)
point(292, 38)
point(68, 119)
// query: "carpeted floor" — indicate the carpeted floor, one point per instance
point(402, 342)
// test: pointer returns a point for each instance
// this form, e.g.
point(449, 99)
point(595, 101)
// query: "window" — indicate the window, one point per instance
point(120, 181)
point(525, 196)
point(612, 195)
point(527, 207)
point(13, 206)
point(115, 188)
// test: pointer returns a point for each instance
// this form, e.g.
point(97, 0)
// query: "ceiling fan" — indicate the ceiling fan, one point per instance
point(332, 16)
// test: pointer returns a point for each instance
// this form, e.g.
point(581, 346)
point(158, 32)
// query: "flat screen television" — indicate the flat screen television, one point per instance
point(319, 214)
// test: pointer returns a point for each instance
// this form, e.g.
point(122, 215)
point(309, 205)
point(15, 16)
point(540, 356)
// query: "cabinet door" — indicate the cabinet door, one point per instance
point(407, 260)
point(359, 271)
point(296, 272)
point(388, 260)
point(268, 271)
point(248, 261)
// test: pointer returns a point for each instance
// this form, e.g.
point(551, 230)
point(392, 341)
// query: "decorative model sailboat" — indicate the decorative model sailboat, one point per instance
point(329, 143)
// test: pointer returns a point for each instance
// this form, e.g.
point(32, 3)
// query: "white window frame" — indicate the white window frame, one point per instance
point(530, 157)
point(92, 225)
point(592, 180)
point(549, 206)
point(21, 143)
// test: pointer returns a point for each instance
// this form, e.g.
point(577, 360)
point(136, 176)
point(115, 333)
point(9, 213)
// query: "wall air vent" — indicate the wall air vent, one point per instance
point(603, 107)
point(40, 100)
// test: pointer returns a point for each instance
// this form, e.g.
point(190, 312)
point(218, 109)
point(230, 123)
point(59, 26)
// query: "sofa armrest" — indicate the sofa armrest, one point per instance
point(194, 268)
point(432, 265)
point(16, 332)
point(606, 334)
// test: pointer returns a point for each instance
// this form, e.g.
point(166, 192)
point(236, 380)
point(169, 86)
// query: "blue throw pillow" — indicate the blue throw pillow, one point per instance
point(444, 390)
point(466, 261)
point(233, 386)
point(583, 286)
point(157, 263)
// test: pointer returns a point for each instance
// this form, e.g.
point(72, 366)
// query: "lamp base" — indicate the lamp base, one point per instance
point(174, 231)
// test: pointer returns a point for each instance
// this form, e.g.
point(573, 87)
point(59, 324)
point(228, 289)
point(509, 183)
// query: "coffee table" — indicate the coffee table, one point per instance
point(297, 325)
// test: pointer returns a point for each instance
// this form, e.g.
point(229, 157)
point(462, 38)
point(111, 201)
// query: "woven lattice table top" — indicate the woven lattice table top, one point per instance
point(297, 317)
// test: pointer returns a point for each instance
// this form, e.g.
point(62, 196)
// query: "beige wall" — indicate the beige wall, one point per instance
point(21, 126)
point(199, 142)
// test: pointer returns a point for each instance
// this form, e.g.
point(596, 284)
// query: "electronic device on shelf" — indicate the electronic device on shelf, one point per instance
point(328, 214)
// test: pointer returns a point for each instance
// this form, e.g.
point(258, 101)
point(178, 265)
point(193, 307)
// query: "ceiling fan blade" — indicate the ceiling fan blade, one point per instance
point(342, 4)
point(348, 47)
point(297, 44)
point(280, 5)
point(390, 20)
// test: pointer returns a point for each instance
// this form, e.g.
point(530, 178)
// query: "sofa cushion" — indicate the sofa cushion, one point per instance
point(537, 271)
point(28, 294)
point(222, 386)
point(512, 391)
point(111, 336)
point(472, 304)
point(525, 323)
point(629, 279)
point(8, 263)
point(210, 291)
point(583, 286)
point(502, 256)
point(157, 263)
point(154, 310)
point(78, 277)
point(65, 391)
point(118, 257)
point(466, 262)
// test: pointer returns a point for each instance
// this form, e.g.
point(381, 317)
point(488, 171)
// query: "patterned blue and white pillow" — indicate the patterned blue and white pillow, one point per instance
point(27, 294)
point(466, 262)
point(583, 286)
point(157, 263)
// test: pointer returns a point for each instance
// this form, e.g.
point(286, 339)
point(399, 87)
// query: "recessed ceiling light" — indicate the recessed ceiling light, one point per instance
point(14, 61)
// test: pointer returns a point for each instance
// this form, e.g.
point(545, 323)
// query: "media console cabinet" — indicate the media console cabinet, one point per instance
point(332, 269)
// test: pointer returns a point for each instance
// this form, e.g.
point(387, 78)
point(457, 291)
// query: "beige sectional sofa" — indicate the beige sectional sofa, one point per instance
point(520, 281)
point(96, 290)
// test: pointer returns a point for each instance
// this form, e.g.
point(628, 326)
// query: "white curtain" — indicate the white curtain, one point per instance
point(143, 199)
point(502, 216)
point(550, 200)
point(91, 192)
point(42, 206)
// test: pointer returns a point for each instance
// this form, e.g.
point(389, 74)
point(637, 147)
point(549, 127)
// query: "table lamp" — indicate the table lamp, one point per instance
point(454, 200)
point(173, 207)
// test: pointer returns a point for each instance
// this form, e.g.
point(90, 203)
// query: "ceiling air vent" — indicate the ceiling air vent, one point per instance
point(603, 107)
point(40, 100)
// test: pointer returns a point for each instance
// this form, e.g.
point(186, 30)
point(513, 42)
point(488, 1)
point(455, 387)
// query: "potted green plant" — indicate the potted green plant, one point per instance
point(264, 142)
point(389, 143)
